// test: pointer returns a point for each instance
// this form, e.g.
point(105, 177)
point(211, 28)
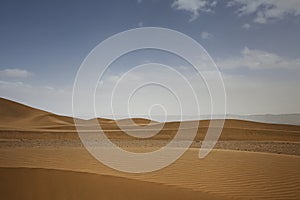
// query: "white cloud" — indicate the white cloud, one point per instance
point(246, 26)
point(257, 59)
point(263, 11)
point(206, 35)
point(15, 73)
point(194, 6)
point(140, 24)
point(266, 10)
point(7, 84)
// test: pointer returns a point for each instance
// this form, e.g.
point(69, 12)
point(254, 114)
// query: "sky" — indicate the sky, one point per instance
point(255, 44)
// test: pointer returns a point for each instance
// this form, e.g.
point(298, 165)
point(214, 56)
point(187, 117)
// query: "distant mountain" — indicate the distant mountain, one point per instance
point(292, 119)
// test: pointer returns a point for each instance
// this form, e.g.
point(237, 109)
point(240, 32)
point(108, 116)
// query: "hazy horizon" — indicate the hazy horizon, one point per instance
point(286, 118)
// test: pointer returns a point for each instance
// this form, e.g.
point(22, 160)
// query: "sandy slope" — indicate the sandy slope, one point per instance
point(58, 184)
point(229, 174)
point(20, 116)
point(223, 174)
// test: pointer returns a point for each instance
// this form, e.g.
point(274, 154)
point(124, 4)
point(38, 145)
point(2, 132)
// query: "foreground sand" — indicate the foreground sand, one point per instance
point(223, 174)
point(58, 184)
point(41, 157)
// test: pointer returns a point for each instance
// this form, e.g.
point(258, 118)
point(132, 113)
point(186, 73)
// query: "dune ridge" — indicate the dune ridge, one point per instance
point(22, 119)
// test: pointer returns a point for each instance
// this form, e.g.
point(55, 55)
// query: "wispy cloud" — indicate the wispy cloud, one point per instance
point(15, 73)
point(195, 7)
point(140, 24)
point(258, 59)
point(205, 35)
point(246, 26)
point(266, 10)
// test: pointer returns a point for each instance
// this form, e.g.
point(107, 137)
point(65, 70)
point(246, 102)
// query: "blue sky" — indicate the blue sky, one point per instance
point(255, 44)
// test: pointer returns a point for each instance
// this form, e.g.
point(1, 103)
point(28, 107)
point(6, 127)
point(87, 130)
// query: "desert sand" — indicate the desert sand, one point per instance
point(41, 157)
point(60, 184)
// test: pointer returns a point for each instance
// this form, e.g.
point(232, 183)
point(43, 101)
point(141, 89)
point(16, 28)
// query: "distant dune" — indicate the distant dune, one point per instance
point(139, 121)
point(13, 114)
point(18, 117)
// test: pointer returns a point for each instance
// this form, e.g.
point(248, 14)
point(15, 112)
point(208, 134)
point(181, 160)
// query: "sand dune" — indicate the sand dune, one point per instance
point(32, 138)
point(230, 174)
point(33, 183)
point(138, 121)
point(23, 120)
point(20, 116)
